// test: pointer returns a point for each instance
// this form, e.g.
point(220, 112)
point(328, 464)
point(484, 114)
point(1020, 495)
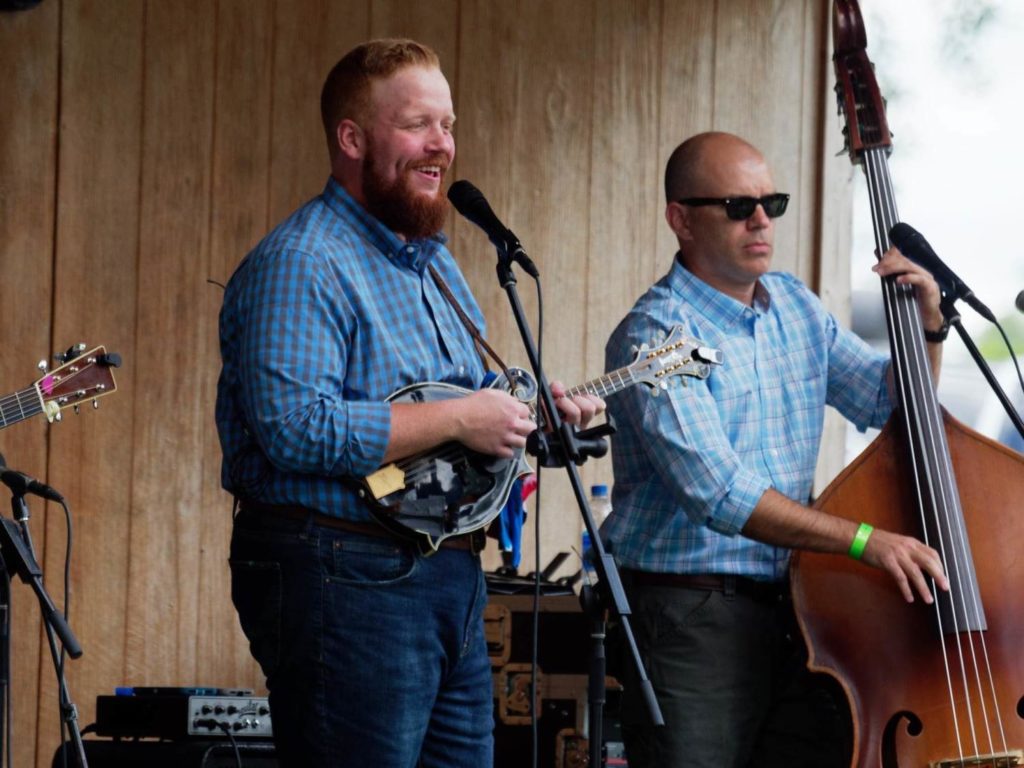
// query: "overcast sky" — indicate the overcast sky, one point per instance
point(950, 70)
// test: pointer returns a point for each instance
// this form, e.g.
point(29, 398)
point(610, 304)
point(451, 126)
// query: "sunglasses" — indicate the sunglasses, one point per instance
point(742, 208)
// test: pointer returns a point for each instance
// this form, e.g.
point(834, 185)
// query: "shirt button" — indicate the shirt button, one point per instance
point(410, 249)
point(462, 370)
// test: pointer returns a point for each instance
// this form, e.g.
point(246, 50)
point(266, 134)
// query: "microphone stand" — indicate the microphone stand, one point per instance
point(17, 557)
point(952, 315)
point(564, 447)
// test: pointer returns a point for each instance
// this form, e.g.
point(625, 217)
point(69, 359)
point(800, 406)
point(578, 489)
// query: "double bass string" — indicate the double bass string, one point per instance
point(884, 215)
point(922, 407)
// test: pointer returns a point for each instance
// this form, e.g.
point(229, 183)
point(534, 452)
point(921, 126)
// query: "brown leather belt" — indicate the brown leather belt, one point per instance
point(714, 582)
point(470, 542)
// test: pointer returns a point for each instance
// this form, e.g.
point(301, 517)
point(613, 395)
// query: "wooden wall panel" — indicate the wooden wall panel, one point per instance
point(622, 259)
point(28, 128)
point(181, 132)
point(309, 38)
point(761, 43)
point(173, 264)
point(685, 96)
point(833, 240)
point(96, 287)
point(486, 155)
point(237, 220)
point(435, 24)
point(528, 83)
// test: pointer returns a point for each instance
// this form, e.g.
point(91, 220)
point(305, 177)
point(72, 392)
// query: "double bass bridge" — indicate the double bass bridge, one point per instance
point(1010, 759)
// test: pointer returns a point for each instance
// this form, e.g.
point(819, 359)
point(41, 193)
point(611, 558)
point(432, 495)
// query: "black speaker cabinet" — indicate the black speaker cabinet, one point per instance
point(191, 753)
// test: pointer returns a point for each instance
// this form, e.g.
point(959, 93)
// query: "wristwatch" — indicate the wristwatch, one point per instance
point(939, 336)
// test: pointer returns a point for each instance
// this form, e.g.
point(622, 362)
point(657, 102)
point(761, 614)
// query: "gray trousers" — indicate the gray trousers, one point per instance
point(729, 673)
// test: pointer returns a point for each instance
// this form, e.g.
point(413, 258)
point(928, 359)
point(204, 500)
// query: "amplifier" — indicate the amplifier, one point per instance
point(192, 753)
point(181, 716)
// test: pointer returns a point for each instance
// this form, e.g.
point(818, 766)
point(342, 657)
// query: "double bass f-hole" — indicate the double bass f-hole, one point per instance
point(938, 686)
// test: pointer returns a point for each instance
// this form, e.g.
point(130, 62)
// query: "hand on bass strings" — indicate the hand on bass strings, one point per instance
point(910, 562)
point(908, 273)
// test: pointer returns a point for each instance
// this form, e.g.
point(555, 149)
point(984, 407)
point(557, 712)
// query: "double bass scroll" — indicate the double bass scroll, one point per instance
point(939, 686)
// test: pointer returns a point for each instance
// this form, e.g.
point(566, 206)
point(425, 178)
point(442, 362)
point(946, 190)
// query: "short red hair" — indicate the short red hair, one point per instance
point(346, 91)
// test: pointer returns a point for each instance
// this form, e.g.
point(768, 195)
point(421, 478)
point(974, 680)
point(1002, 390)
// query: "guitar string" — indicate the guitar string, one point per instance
point(15, 399)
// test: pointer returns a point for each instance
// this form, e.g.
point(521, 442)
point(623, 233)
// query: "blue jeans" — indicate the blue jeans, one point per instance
point(374, 655)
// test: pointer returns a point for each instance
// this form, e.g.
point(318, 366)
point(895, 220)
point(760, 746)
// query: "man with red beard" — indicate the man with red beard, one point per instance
point(374, 653)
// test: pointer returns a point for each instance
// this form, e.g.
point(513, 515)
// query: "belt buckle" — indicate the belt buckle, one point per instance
point(730, 585)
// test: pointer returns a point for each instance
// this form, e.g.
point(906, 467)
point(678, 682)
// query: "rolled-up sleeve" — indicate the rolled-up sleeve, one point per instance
point(685, 443)
point(294, 357)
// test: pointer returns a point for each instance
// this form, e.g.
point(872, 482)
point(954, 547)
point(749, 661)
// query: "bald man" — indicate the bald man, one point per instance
point(711, 481)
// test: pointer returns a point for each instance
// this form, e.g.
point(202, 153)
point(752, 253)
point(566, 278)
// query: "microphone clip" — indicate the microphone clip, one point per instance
point(585, 444)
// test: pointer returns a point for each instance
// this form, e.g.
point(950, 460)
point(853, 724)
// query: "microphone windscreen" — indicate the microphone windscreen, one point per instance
point(464, 196)
point(904, 236)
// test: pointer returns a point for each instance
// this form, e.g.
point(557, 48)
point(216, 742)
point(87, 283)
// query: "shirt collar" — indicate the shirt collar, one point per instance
point(416, 254)
point(718, 307)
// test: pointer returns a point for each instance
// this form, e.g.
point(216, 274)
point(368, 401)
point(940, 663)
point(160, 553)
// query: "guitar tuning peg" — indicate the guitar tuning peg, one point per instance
point(75, 406)
point(70, 353)
point(42, 365)
point(634, 349)
point(95, 404)
point(58, 416)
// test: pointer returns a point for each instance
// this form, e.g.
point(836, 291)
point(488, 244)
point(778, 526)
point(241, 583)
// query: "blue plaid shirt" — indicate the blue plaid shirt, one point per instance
point(691, 464)
point(326, 317)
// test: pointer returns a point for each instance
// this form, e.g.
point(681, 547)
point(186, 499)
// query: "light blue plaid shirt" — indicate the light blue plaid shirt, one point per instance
point(326, 317)
point(691, 464)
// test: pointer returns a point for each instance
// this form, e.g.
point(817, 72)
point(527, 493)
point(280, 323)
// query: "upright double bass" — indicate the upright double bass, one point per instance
point(929, 686)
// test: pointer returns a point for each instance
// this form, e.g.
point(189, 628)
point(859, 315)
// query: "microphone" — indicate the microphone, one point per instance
point(470, 202)
point(913, 245)
point(1019, 302)
point(21, 484)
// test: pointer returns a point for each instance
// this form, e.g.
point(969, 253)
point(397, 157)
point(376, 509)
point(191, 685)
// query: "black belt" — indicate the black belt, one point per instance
point(474, 541)
point(714, 582)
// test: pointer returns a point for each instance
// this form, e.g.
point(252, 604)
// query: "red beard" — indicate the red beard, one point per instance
point(401, 209)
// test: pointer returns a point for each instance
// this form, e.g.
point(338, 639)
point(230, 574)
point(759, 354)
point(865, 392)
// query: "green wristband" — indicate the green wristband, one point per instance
point(860, 540)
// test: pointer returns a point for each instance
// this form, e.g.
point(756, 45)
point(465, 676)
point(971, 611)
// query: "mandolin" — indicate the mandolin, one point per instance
point(451, 490)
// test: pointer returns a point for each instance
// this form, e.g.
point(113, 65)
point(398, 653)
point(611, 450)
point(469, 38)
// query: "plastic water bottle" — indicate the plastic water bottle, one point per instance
point(600, 508)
